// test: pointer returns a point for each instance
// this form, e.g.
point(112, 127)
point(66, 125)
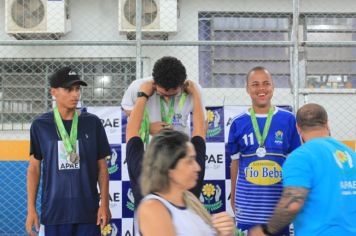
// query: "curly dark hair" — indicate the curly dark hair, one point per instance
point(169, 72)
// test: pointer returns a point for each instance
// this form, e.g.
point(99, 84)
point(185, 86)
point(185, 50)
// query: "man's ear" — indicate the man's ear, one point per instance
point(299, 130)
point(300, 133)
point(328, 128)
point(170, 173)
point(53, 92)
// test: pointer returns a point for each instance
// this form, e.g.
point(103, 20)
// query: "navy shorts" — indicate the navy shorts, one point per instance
point(72, 229)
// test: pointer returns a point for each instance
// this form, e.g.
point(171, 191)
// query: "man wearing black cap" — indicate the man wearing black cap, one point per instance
point(73, 148)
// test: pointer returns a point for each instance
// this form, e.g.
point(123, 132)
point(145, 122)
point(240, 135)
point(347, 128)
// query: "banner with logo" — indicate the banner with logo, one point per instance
point(216, 192)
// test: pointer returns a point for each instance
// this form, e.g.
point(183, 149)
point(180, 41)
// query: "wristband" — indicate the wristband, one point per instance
point(142, 94)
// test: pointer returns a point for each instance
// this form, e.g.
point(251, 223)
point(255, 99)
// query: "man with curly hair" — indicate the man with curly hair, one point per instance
point(170, 100)
point(170, 105)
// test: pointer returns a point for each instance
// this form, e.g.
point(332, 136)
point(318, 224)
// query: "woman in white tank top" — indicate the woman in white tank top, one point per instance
point(169, 209)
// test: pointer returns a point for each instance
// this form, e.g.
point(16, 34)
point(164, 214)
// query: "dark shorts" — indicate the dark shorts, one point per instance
point(72, 229)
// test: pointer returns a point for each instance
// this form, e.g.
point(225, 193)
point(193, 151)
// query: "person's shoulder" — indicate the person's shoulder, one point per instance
point(48, 116)
point(284, 112)
point(242, 117)
point(134, 143)
point(89, 117)
point(152, 208)
point(138, 82)
point(284, 116)
point(307, 151)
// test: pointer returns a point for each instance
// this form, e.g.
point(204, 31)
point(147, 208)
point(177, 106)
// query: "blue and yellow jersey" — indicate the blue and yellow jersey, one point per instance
point(259, 184)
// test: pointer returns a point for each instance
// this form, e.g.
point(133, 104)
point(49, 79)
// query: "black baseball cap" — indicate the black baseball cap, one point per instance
point(65, 77)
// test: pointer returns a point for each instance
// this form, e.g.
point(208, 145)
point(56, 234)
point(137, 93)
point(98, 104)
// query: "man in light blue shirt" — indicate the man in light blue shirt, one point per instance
point(319, 183)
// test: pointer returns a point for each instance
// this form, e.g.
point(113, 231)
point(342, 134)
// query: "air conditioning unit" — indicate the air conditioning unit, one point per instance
point(157, 16)
point(27, 19)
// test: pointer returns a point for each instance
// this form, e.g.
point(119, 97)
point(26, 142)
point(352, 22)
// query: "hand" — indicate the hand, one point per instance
point(113, 157)
point(148, 87)
point(255, 231)
point(103, 217)
point(32, 219)
point(190, 87)
point(156, 127)
point(217, 193)
point(223, 223)
point(130, 195)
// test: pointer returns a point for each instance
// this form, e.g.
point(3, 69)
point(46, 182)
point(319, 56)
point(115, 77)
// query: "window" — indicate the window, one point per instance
point(227, 66)
point(25, 93)
point(330, 67)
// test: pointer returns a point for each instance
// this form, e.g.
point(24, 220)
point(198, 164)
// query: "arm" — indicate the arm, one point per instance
point(291, 202)
point(234, 151)
point(129, 98)
point(33, 180)
point(234, 167)
point(154, 219)
point(104, 215)
point(198, 134)
point(199, 124)
point(134, 122)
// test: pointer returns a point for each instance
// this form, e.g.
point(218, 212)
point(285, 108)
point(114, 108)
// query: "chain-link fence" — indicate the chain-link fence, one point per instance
point(309, 47)
point(218, 43)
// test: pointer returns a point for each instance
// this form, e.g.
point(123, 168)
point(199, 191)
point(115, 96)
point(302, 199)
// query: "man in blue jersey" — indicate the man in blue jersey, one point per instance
point(72, 148)
point(259, 142)
point(319, 183)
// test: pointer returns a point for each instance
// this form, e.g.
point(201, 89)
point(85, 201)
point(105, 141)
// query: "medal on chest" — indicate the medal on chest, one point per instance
point(261, 152)
point(261, 138)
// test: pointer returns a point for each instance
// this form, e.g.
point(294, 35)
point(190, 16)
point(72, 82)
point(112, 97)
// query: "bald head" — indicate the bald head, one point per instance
point(312, 117)
point(257, 69)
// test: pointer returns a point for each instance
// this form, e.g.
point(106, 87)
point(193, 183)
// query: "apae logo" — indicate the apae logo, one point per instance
point(131, 200)
point(114, 198)
point(214, 123)
point(128, 200)
point(214, 161)
point(111, 122)
point(111, 161)
point(343, 160)
point(278, 136)
point(110, 230)
point(211, 197)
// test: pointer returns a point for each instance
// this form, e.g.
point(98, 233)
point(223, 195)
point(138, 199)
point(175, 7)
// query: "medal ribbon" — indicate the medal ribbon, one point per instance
point(256, 129)
point(68, 141)
point(145, 128)
point(168, 118)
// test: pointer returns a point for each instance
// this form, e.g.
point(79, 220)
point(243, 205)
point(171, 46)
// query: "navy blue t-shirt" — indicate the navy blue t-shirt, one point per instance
point(69, 191)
